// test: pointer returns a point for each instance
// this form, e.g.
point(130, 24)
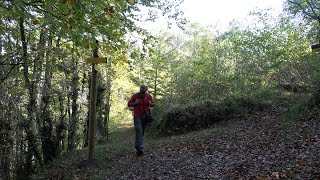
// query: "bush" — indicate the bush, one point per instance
point(308, 107)
point(199, 116)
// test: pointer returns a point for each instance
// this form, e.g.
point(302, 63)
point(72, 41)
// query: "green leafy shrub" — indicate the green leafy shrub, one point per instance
point(194, 117)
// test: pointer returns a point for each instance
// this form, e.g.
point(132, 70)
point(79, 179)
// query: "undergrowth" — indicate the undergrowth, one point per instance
point(202, 115)
point(196, 116)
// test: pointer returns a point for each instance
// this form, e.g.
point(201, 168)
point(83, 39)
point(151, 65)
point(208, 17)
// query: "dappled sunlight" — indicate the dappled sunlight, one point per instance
point(232, 93)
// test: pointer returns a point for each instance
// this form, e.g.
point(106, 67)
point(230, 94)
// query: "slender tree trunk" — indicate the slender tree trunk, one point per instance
point(68, 114)
point(86, 125)
point(101, 90)
point(108, 99)
point(48, 144)
point(36, 75)
point(1, 45)
point(20, 155)
point(61, 127)
point(32, 150)
point(155, 84)
point(5, 139)
point(19, 146)
point(7, 158)
point(74, 97)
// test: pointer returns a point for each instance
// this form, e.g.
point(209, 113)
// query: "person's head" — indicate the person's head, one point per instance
point(143, 88)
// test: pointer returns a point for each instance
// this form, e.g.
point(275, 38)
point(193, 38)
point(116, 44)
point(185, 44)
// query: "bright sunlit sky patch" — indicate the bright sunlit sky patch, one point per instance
point(210, 12)
point(220, 13)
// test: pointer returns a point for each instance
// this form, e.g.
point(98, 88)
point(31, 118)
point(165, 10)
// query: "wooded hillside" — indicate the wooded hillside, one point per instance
point(45, 80)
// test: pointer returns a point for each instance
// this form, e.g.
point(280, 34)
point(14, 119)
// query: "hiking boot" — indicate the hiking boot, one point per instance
point(139, 153)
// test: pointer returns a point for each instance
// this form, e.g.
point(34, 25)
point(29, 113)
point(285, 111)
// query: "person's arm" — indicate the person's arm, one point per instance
point(151, 101)
point(133, 101)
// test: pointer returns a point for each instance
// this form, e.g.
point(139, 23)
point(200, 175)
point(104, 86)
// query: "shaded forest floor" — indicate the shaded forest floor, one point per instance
point(262, 145)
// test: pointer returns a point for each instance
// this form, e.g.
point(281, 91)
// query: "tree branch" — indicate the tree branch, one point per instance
point(8, 57)
point(7, 75)
point(311, 5)
point(34, 2)
point(46, 12)
point(303, 10)
point(317, 8)
point(315, 5)
point(12, 64)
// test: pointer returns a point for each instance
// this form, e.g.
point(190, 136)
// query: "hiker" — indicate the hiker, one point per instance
point(140, 102)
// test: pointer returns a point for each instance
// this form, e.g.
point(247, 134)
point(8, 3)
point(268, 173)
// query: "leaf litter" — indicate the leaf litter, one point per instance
point(261, 146)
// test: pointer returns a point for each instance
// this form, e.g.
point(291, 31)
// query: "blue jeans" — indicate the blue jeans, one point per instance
point(139, 126)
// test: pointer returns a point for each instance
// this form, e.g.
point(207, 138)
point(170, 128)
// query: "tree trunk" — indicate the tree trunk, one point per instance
point(100, 109)
point(61, 123)
point(48, 144)
point(108, 98)
point(74, 97)
point(155, 84)
point(86, 125)
point(32, 150)
point(5, 139)
point(1, 45)
point(19, 146)
point(61, 127)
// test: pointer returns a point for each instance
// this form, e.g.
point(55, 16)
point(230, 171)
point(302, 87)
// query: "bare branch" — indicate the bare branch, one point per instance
point(5, 58)
point(311, 5)
point(315, 5)
point(303, 10)
point(7, 75)
point(312, 8)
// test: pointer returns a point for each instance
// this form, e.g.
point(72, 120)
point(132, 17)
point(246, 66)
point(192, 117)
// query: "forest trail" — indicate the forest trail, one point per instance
point(259, 146)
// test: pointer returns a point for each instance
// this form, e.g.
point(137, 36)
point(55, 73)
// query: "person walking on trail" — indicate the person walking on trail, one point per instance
point(140, 102)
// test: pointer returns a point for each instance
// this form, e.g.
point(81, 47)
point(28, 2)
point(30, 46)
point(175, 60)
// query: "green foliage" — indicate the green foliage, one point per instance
point(273, 52)
point(197, 79)
point(43, 47)
point(307, 107)
point(299, 109)
point(308, 9)
point(118, 146)
point(82, 21)
point(199, 116)
point(310, 12)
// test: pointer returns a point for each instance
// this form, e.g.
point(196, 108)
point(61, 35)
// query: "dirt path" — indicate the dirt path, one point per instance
point(259, 147)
